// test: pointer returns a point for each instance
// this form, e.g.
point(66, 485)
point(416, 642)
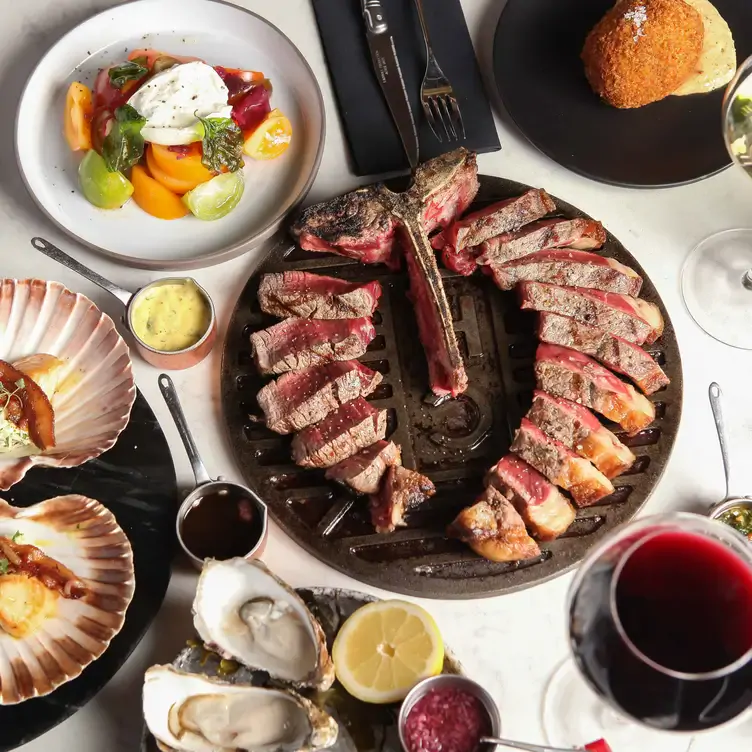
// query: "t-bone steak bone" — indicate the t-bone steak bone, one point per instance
point(631, 318)
point(616, 353)
point(314, 296)
point(494, 529)
point(579, 234)
point(545, 510)
point(472, 230)
point(301, 343)
point(566, 373)
point(301, 398)
point(570, 268)
point(401, 491)
point(579, 430)
point(347, 430)
point(357, 225)
point(560, 465)
point(363, 471)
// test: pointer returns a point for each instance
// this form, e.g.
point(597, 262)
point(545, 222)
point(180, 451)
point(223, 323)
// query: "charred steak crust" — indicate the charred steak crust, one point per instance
point(363, 471)
point(401, 491)
point(301, 398)
point(315, 296)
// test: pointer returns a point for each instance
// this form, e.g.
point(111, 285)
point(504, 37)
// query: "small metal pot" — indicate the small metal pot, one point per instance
point(205, 486)
point(449, 681)
point(172, 360)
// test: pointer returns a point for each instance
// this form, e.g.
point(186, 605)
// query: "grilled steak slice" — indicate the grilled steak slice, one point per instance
point(493, 529)
point(347, 430)
point(631, 318)
point(545, 510)
point(447, 185)
point(363, 471)
point(579, 430)
point(357, 225)
point(615, 352)
point(301, 398)
point(560, 465)
point(569, 268)
point(581, 234)
point(401, 490)
point(301, 343)
point(569, 374)
point(472, 230)
point(314, 296)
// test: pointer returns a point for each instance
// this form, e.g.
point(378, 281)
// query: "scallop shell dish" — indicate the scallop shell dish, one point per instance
point(66, 382)
point(66, 580)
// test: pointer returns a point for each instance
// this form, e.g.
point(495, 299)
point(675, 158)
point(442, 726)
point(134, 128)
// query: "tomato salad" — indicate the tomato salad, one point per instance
point(171, 132)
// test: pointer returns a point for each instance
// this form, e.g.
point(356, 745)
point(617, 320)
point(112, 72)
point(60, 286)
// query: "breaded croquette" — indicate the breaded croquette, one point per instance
point(643, 50)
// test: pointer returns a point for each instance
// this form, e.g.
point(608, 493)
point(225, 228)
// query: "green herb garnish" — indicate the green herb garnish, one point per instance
point(124, 145)
point(130, 71)
point(222, 144)
point(4, 564)
point(16, 536)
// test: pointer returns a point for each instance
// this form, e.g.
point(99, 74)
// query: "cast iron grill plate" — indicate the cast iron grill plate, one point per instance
point(454, 443)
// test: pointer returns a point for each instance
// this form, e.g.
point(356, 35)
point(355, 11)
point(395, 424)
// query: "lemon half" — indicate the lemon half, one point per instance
point(385, 648)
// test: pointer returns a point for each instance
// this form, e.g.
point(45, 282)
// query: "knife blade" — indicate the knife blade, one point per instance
point(389, 74)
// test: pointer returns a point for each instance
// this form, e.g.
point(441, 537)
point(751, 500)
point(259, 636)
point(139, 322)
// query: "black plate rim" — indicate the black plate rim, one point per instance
point(668, 438)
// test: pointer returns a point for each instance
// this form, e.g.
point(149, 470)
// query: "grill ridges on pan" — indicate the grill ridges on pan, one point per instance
point(453, 443)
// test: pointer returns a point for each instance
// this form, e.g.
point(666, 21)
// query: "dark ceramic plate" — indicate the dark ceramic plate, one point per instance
point(454, 443)
point(362, 727)
point(135, 480)
point(542, 84)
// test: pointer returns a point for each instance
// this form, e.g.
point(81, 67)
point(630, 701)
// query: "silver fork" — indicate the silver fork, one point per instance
point(436, 93)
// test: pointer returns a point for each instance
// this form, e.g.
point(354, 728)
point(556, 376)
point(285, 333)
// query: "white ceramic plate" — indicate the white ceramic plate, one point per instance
point(219, 33)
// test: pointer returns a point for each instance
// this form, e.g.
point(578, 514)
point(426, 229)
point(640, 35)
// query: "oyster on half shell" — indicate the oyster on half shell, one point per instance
point(193, 713)
point(243, 612)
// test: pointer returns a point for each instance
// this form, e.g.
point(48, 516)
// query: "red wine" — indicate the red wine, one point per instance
point(674, 646)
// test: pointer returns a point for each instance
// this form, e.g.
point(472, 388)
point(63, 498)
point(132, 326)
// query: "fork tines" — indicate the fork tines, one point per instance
point(445, 108)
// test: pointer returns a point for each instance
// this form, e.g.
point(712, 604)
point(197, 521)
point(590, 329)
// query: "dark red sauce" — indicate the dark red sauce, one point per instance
point(446, 720)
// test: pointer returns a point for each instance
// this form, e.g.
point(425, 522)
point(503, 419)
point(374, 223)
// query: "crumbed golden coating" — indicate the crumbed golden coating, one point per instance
point(643, 50)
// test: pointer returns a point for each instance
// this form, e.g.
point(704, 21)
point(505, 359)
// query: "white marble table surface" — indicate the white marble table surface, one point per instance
point(511, 644)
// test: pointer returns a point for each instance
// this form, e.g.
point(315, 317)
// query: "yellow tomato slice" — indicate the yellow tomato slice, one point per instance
point(182, 165)
point(154, 198)
point(78, 111)
point(271, 138)
point(172, 184)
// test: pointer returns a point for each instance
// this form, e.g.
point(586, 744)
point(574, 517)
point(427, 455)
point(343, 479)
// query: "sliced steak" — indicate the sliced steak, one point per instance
point(566, 373)
point(347, 430)
point(569, 268)
point(357, 225)
point(448, 185)
point(401, 491)
point(301, 343)
point(446, 370)
point(545, 510)
point(502, 217)
point(363, 471)
point(493, 529)
point(631, 318)
point(617, 353)
point(301, 398)
point(314, 296)
point(581, 234)
point(560, 465)
point(579, 430)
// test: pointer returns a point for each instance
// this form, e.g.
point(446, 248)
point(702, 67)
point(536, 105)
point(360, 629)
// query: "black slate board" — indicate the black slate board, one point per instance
point(135, 480)
point(374, 142)
point(541, 81)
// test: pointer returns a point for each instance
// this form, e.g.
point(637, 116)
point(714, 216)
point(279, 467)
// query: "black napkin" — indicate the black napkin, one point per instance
point(374, 142)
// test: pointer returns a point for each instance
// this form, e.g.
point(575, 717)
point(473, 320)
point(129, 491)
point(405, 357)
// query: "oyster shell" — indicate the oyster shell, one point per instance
point(193, 713)
point(243, 612)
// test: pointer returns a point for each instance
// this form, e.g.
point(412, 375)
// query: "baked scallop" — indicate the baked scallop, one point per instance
point(643, 50)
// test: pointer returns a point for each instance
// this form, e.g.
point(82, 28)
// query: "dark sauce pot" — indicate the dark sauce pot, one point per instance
point(218, 519)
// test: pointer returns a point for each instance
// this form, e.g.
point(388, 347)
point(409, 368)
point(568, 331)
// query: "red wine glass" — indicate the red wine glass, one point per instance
point(660, 627)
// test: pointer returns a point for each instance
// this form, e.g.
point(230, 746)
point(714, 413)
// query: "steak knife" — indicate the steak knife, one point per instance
point(387, 68)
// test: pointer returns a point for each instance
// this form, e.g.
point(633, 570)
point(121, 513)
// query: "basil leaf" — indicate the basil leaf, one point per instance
point(222, 144)
point(124, 145)
point(130, 71)
point(4, 564)
point(16, 536)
